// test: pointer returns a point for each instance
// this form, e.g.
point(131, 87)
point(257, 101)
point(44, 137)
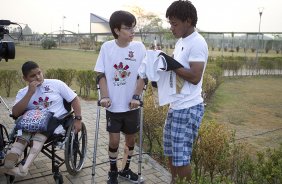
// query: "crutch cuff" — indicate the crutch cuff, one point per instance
point(99, 77)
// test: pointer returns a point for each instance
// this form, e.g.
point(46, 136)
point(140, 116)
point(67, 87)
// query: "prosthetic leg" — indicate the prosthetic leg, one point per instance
point(38, 142)
point(14, 153)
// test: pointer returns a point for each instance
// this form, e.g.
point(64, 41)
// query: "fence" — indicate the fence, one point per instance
point(220, 43)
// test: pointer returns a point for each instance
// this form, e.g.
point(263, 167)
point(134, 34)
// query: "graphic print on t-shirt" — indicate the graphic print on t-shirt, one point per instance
point(121, 73)
point(130, 56)
point(42, 104)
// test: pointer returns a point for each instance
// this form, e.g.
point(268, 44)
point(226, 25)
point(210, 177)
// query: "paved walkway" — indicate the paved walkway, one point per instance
point(40, 171)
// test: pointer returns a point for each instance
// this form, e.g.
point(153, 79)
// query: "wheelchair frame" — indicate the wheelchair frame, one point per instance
point(75, 145)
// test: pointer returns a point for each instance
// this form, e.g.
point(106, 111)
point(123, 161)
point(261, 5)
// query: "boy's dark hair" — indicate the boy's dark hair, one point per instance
point(121, 17)
point(182, 10)
point(27, 66)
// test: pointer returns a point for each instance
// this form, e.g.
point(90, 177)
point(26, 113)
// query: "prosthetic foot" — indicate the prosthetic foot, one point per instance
point(22, 170)
point(38, 142)
point(13, 155)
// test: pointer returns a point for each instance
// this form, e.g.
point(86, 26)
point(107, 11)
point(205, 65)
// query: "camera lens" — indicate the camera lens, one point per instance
point(7, 50)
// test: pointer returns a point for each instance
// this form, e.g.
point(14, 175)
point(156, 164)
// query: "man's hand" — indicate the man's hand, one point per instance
point(77, 126)
point(134, 104)
point(32, 86)
point(105, 102)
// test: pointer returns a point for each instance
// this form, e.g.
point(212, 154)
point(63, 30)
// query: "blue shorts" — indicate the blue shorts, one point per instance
point(180, 131)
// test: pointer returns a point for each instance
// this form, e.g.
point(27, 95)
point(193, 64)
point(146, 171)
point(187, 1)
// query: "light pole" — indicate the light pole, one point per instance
point(63, 28)
point(77, 28)
point(258, 45)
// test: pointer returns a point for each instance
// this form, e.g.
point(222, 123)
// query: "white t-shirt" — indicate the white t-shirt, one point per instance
point(153, 67)
point(120, 66)
point(49, 95)
point(193, 48)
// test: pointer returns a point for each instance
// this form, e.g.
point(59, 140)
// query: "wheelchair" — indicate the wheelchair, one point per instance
point(74, 145)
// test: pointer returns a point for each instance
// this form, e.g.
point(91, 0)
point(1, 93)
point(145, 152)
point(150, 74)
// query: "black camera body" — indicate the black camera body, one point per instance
point(7, 48)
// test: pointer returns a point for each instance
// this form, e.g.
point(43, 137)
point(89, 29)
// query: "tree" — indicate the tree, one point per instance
point(147, 22)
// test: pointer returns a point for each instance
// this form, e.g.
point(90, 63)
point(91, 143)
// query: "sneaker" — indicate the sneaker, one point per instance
point(129, 175)
point(112, 177)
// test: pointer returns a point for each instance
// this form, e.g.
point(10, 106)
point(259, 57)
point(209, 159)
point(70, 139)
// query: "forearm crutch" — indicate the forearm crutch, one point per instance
point(141, 131)
point(97, 128)
point(2, 100)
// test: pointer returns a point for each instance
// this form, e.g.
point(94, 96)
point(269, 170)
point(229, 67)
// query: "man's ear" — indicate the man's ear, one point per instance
point(189, 21)
point(24, 78)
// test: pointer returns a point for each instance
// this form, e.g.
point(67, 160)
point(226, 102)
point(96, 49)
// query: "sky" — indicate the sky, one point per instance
point(45, 16)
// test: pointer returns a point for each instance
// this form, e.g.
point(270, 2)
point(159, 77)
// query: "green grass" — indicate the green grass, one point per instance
point(53, 58)
point(250, 106)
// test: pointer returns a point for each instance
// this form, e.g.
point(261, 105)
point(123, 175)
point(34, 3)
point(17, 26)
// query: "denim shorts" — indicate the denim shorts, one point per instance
point(180, 131)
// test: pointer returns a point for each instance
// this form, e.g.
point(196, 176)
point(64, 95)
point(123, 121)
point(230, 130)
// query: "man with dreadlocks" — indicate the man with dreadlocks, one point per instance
point(185, 114)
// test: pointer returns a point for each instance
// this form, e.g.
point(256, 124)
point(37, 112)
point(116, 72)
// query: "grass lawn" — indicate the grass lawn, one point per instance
point(251, 106)
point(53, 58)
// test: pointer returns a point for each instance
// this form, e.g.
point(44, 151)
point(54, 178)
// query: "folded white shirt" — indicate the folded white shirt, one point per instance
point(153, 67)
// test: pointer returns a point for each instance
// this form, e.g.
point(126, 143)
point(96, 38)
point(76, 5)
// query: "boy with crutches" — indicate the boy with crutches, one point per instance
point(117, 65)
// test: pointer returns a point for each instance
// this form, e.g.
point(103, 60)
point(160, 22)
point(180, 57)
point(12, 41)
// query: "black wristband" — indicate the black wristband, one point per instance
point(136, 97)
point(78, 117)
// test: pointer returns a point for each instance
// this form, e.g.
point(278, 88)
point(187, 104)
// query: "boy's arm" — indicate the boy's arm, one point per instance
point(135, 101)
point(139, 87)
point(105, 101)
point(192, 75)
point(77, 112)
point(19, 108)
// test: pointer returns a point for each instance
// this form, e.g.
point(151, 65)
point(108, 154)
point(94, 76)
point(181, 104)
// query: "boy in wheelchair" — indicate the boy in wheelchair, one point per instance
point(40, 94)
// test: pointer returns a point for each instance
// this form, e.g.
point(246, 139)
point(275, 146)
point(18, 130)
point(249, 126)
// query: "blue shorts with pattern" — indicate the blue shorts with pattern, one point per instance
point(180, 131)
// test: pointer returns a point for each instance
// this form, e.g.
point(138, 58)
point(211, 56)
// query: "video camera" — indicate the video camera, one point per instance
point(7, 48)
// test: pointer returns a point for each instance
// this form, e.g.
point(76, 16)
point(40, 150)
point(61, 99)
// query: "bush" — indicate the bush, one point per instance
point(48, 44)
point(154, 118)
point(211, 150)
point(8, 78)
point(86, 81)
point(65, 75)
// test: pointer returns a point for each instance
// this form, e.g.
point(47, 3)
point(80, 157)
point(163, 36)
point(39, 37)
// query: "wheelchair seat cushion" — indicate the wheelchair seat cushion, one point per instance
point(34, 121)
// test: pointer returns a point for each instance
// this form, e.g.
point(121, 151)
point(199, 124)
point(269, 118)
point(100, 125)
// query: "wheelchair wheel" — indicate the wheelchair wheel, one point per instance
point(4, 141)
point(4, 134)
point(75, 149)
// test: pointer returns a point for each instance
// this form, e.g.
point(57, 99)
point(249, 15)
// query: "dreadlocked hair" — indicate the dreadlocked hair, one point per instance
point(182, 10)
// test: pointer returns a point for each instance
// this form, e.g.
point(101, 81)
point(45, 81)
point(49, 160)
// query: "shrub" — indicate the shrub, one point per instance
point(8, 78)
point(211, 150)
point(154, 118)
point(209, 86)
point(86, 81)
point(48, 44)
point(66, 75)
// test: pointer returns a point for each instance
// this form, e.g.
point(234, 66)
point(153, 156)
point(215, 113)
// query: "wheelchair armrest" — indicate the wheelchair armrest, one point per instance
point(65, 116)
